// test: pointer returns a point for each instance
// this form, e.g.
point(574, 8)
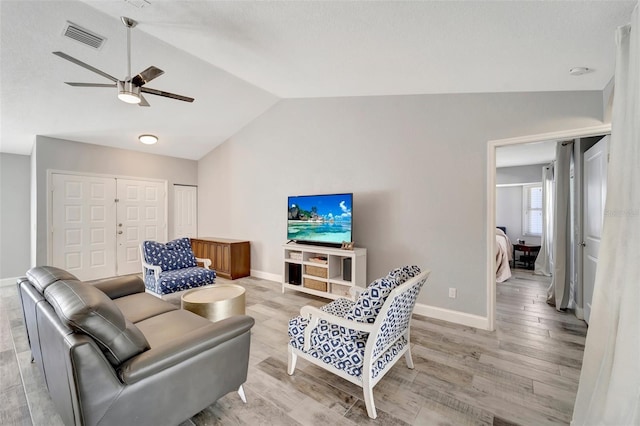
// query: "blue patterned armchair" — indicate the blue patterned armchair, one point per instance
point(171, 267)
point(360, 340)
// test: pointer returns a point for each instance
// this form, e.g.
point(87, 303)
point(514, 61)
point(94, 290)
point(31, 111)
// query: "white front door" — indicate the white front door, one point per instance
point(141, 216)
point(185, 211)
point(595, 192)
point(83, 219)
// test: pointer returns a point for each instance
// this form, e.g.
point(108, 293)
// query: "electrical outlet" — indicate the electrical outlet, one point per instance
point(453, 293)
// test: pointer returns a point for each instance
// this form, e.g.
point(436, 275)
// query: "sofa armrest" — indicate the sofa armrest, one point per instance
point(314, 315)
point(180, 350)
point(119, 286)
point(206, 262)
point(155, 268)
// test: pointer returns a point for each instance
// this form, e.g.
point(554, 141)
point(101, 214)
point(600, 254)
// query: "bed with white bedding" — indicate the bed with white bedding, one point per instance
point(504, 255)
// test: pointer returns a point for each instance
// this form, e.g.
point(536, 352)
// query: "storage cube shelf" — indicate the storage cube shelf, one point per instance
point(316, 271)
point(314, 284)
point(323, 271)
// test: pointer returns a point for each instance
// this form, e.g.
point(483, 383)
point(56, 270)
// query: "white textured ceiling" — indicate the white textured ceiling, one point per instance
point(237, 58)
point(35, 101)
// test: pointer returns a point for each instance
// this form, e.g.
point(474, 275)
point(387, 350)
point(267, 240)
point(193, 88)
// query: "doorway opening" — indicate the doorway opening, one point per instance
point(491, 198)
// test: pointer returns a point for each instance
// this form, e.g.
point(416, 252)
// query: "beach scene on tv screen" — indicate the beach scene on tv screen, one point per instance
point(320, 218)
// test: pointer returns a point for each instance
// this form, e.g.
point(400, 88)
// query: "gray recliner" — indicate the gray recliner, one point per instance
point(112, 354)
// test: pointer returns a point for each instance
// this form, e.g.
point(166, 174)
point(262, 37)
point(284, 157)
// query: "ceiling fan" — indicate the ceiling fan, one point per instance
point(131, 88)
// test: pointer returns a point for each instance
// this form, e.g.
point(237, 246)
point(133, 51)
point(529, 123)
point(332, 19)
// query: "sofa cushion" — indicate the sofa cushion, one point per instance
point(323, 332)
point(179, 280)
point(371, 300)
point(141, 306)
point(171, 325)
point(43, 276)
point(401, 275)
point(176, 254)
point(88, 310)
point(121, 286)
point(339, 307)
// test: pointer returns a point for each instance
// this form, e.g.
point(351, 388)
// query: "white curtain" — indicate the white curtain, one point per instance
point(609, 389)
point(559, 292)
point(544, 261)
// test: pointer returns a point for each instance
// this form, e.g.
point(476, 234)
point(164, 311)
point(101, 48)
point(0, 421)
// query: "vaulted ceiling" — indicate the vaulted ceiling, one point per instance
point(237, 59)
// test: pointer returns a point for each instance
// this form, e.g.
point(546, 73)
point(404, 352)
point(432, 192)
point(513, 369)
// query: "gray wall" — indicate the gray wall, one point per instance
point(58, 154)
point(416, 166)
point(15, 181)
point(509, 199)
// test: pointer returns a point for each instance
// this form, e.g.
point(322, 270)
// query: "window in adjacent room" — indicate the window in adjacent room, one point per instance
point(532, 210)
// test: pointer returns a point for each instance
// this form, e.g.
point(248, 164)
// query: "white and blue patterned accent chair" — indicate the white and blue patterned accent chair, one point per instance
point(171, 267)
point(360, 340)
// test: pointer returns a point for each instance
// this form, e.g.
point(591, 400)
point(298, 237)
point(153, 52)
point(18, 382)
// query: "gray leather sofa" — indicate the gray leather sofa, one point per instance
point(111, 354)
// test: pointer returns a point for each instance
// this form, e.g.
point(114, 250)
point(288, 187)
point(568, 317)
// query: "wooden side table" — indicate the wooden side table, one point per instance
point(528, 257)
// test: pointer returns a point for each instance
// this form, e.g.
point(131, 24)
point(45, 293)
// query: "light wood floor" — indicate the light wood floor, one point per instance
point(526, 372)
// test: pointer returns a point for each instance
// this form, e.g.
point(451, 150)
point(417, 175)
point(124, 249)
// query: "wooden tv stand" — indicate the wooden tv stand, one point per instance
point(230, 259)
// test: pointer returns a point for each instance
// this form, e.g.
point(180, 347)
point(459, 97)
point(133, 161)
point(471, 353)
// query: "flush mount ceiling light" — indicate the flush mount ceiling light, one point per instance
point(579, 70)
point(148, 139)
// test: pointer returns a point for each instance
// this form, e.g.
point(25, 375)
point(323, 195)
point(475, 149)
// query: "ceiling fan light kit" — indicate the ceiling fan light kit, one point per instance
point(131, 88)
point(148, 139)
point(129, 93)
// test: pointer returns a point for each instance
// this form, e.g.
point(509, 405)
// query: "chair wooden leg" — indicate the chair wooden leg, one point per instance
point(368, 400)
point(292, 361)
point(407, 357)
point(243, 397)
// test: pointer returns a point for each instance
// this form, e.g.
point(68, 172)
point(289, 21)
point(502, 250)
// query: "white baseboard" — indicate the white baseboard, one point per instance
point(579, 313)
point(452, 316)
point(266, 276)
point(6, 282)
point(420, 309)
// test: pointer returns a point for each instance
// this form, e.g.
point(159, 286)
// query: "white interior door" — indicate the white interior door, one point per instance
point(141, 215)
point(185, 211)
point(83, 225)
point(595, 192)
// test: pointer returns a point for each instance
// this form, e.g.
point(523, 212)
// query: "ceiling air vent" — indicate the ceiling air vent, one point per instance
point(84, 36)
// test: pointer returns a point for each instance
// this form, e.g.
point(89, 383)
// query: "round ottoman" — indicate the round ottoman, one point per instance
point(215, 303)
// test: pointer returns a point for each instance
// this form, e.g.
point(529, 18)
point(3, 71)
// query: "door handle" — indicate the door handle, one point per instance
point(582, 244)
point(119, 232)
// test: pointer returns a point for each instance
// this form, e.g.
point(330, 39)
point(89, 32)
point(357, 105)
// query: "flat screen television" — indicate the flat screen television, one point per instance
point(320, 219)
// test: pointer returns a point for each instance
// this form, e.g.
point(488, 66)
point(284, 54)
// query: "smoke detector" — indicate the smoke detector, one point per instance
point(579, 70)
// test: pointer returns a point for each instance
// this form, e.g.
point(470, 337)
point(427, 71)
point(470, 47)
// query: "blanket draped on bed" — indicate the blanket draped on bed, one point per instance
point(504, 254)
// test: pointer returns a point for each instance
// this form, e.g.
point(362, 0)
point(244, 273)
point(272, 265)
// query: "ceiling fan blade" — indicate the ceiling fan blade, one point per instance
point(166, 94)
point(143, 102)
point(83, 65)
point(90, 84)
point(146, 76)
